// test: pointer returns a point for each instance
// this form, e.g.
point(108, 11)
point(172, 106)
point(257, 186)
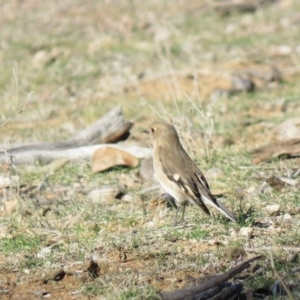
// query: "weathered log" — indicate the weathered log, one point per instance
point(214, 282)
point(46, 156)
point(110, 128)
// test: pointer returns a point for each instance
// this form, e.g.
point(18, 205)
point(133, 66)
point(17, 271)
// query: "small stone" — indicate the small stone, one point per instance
point(106, 193)
point(242, 84)
point(273, 209)
point(128, 198)
point(289, 129)
point(287, 218)
point(246, 232)
point(44, 252)
point(284, 50)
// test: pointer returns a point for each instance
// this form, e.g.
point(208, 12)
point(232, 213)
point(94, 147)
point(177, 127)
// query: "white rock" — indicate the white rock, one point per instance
point(288, 129)
point(128, 198)
point(44, 252)
point(284, 50)
point(105, 193)
point(273, 209)
point(246, 232)
point(287, 218)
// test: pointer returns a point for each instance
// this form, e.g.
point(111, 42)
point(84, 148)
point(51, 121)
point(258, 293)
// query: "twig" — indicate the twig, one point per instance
point(181, 294)
point(279, 278)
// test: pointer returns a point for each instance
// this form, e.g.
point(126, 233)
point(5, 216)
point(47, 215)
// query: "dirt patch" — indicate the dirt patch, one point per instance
point(21, 286)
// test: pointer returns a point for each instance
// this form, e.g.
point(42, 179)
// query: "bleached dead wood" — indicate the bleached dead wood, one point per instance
point(110, 128)
point(46, 156)
point(212, 283)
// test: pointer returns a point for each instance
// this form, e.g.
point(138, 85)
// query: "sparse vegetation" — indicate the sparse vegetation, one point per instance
point(64, 64)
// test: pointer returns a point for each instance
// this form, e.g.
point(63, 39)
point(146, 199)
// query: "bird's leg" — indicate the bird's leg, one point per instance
point(182, 215)
point(176, 216)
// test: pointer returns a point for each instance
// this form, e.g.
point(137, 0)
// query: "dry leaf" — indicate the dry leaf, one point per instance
point(106, 158)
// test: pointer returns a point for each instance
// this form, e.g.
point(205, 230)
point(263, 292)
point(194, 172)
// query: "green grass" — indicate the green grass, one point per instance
point(19, 243)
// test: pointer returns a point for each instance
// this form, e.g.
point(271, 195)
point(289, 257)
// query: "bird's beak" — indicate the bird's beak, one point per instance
point(146, 131)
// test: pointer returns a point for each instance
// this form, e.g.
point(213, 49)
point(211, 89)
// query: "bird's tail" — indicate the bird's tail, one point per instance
point(226, 212)
point(219, 206)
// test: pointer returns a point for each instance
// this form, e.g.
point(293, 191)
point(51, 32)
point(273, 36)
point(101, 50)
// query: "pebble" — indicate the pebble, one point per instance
point(272, 209)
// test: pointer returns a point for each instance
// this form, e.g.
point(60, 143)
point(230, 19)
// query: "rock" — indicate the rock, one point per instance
point(242, 84)
point(246, 232)
point(44, 252)
point(128, 198)
point(288, 129)
point(106, 193)
point(273, 209)
point(287, 218)
point(284, 50)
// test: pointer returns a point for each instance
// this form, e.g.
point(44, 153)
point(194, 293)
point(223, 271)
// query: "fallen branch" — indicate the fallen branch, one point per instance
point(109, 129)
point(46, 156)
point(212, 283)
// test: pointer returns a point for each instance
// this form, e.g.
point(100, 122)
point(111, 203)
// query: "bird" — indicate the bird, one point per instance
point(178, 174)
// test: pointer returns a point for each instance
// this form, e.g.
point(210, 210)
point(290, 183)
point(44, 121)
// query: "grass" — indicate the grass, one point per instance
point(159, 61)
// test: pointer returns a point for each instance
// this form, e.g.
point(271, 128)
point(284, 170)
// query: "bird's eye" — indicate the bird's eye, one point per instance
point(152, 130)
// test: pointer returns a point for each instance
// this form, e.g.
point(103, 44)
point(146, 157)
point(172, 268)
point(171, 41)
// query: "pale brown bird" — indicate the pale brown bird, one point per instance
point(178, 174)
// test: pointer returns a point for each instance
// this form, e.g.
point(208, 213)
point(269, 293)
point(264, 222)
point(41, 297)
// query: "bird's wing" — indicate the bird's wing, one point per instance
point(182, 176)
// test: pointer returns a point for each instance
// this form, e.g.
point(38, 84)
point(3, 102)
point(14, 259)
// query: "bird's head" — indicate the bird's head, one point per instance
point(162, 132)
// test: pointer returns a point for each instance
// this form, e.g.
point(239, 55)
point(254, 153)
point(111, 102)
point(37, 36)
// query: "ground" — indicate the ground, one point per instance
point(65, 64)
